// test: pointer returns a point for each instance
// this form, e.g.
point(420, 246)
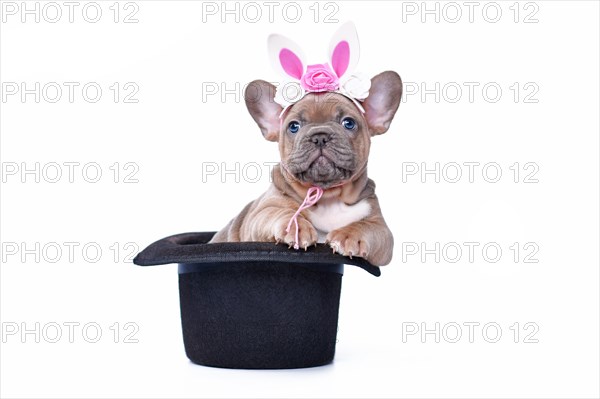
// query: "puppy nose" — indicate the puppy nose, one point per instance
point(320, 139)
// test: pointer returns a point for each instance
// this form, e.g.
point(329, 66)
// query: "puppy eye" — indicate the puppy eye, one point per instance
point(349, 123)
point(293, 127)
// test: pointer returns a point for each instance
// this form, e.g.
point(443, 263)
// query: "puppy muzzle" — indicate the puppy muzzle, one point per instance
point(322, 157)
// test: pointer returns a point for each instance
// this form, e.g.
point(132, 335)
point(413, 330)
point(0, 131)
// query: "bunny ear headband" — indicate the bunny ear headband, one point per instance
point(337, 76)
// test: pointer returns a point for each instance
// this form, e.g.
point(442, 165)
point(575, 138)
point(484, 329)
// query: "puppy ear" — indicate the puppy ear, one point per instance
point(383, 101)
point(344, 49)
point(264, 110)
point(286, 56)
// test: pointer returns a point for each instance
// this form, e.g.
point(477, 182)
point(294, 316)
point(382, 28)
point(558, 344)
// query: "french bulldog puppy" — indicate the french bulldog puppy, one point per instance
point(324, 141)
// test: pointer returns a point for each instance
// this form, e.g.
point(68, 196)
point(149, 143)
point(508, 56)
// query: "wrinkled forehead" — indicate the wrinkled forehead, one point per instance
point(322, 108)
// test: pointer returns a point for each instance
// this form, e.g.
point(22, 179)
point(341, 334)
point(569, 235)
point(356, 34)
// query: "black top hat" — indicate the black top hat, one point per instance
point(255, 305)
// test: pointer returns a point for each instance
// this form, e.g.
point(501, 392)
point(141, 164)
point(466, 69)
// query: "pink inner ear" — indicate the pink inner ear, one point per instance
point(291, 63)
point(341, 58)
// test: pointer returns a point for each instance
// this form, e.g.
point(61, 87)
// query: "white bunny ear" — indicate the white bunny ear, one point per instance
point(286, 56)
point(344, 49)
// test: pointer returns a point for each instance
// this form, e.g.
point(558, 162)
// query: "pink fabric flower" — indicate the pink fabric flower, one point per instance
point(318, 78)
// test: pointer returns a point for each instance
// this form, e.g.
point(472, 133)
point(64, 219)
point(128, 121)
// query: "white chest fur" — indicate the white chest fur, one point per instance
point(332, 214)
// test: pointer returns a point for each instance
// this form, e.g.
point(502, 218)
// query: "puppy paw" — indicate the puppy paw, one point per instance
point(348, 242)
point(307, 234)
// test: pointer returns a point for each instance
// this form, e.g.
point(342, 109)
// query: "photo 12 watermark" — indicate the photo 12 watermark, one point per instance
point(68, 172)
point(252, 12)
point(69, 92)
point(452, 12)
point(469, 172)
point(237, 172)
point(471, 92)
point(67, 252)
point(53, 12)
point(471, 332)
point(469, 252)
point(54, 332)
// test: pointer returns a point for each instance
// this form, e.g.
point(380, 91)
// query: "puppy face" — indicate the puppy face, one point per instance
point(324, 139)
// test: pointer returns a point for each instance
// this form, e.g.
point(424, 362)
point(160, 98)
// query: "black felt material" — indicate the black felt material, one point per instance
point(255, 305)
point(260, 316)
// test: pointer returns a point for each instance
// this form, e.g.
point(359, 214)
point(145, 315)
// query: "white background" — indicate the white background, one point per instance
point(173, 53)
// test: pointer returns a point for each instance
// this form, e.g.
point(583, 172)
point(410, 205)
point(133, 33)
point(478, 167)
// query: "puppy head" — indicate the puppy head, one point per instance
point(324, 139)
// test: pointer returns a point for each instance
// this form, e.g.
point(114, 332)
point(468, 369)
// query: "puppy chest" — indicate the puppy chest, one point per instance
point(329, 215)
